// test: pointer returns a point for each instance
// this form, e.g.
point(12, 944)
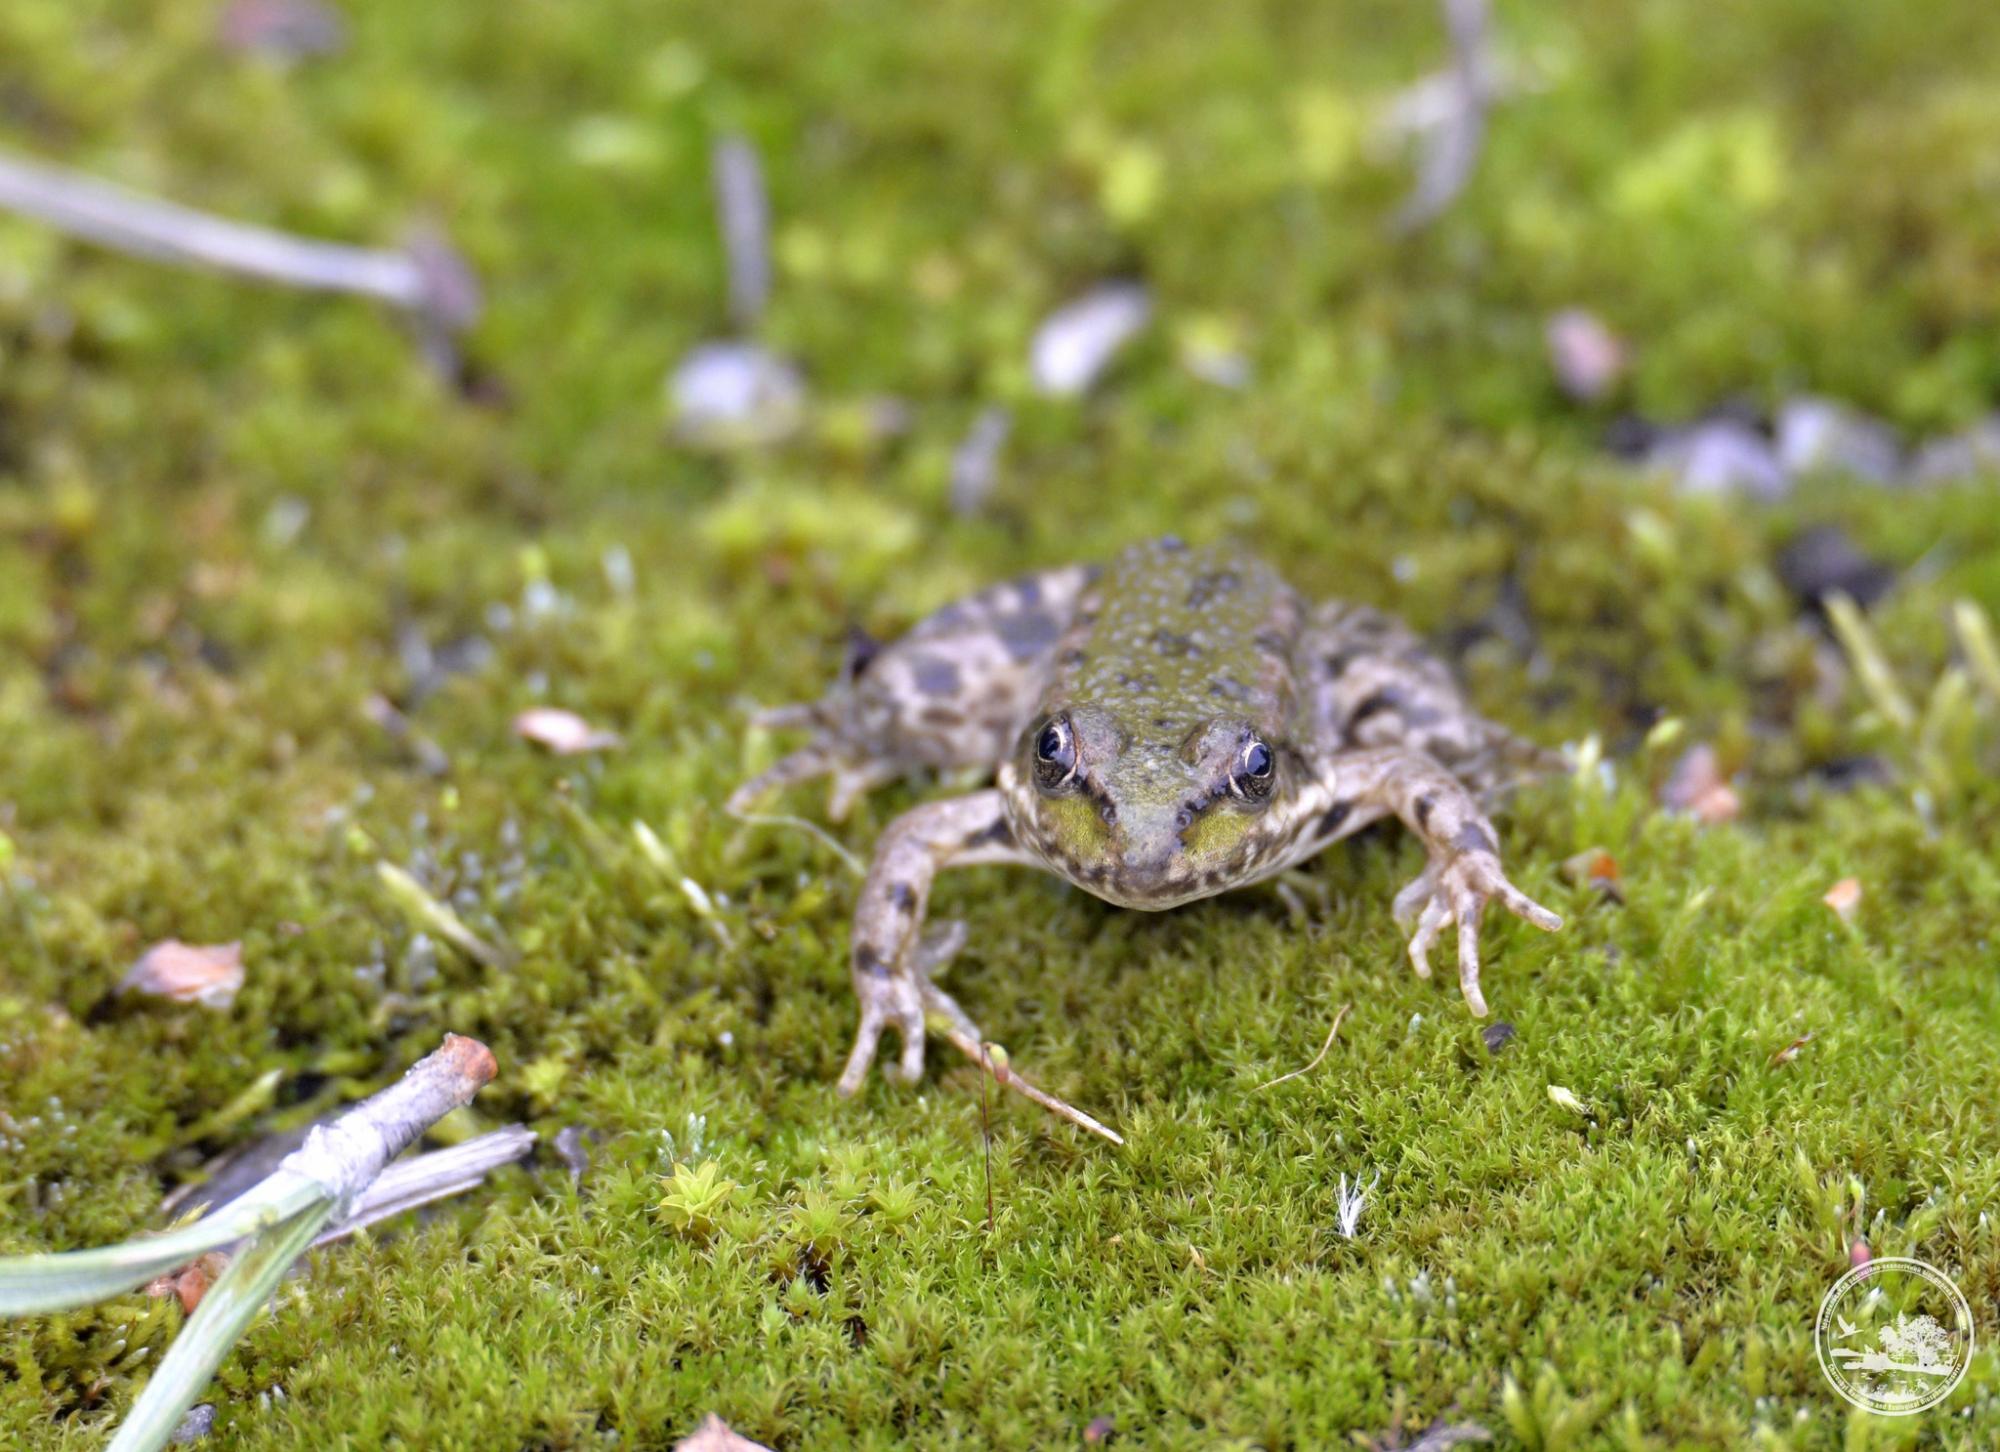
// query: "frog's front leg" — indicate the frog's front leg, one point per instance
point(893, 959)
point(1464, 871)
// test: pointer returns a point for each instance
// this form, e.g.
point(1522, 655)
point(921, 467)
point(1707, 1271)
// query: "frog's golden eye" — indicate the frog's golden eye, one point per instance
point(1255, 769)
point(1055, 754)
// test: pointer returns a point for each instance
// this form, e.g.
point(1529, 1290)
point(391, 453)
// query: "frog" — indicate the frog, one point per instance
point(1177, 723)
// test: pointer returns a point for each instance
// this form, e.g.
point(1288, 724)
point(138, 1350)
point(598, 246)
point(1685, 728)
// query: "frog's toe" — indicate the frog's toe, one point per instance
point(790, 770)
point(1463, 890)
point(786, 718)
point(910, 1065)
point(1429, 924)
point(1470, 910)
point(866, 1039)
point(886, 1003)
point(1413, 898)
point(940, 944)
point(853, 782)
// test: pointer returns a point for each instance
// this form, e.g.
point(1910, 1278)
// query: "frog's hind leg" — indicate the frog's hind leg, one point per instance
point(1372, 684)
point(951, 693)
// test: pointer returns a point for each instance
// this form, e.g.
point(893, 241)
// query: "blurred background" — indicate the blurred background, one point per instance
point(616, 358)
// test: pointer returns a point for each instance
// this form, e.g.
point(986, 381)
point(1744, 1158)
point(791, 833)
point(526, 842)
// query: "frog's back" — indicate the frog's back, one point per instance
point(1170, 636)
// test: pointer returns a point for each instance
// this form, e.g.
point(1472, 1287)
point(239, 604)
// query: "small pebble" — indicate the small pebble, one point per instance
point(198, 1423)
point(733, 395)
point(572, 1146)
point(1077, 342)
point(1697, 786)
point(1821, 560)
point(1498, 1036)
point(1820, 436)
point(188, 973)
point(975, 463)
point(1722, 456)
point(563, 732)
point(286, 29)
point(1964, 455)
point(1587, 358)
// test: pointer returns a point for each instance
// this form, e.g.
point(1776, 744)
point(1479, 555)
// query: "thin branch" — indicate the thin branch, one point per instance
point(325, 1179)
point(744, 211)
point(1452, 152)
point(993, 1059)
point(438, 1175)
point(986, 1133)
point(426, 278)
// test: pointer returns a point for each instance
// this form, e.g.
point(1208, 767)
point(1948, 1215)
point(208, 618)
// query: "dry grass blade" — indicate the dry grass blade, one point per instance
point(1331, 1033)
point(1870, 666)
point(317, 1183)
point(427, 912)
point(1975, 638)
point(812, 829)
point(993, 1060)
point(1451, 155)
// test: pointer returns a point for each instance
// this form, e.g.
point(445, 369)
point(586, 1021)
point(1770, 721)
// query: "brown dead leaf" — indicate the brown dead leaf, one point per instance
point(1698, 788)
point(715, 1435)
point(1790, 1051)
point(1585, 355)
point(563, 732)
point(185, 973)
point(1594, 867)
point(191, 1282)
point(1844, 897)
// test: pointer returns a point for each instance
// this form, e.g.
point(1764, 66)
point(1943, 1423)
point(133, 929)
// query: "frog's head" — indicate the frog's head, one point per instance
point(1148, 820)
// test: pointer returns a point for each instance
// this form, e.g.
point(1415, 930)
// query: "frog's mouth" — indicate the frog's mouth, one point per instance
point(1148, 860)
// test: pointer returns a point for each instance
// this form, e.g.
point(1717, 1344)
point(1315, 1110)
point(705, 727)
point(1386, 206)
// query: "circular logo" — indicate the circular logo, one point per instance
point(1894, 1336)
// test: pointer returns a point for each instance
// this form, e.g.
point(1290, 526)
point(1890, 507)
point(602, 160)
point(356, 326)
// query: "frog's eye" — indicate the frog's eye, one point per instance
point(1055, 753)
point(1255, 767)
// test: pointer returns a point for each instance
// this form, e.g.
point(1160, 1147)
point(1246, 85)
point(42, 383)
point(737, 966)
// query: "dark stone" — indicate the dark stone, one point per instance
point(572, 1147)
point(198, 1423)
point(1497, 1036)
point(1823, 559)
point(1850, 772)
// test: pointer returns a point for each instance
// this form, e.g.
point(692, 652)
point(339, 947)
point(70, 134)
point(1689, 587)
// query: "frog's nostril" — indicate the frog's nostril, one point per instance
point(1183, 819)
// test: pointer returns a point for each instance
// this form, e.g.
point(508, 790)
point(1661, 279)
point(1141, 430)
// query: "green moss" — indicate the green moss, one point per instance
point(1766, 198)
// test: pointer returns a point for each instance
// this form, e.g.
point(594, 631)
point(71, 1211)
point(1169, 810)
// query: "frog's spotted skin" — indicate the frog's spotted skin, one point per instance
point(1174, 726)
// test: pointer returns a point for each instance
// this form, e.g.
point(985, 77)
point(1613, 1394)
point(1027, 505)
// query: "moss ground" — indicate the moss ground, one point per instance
point(228, 515)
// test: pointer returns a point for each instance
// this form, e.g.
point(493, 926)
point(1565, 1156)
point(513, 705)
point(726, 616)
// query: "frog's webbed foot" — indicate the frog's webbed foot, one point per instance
point(1463, 873)
point(1457, 891)
point(889, 1001)
point(900, 1002)
point(908, 1005)
point(895, 957)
